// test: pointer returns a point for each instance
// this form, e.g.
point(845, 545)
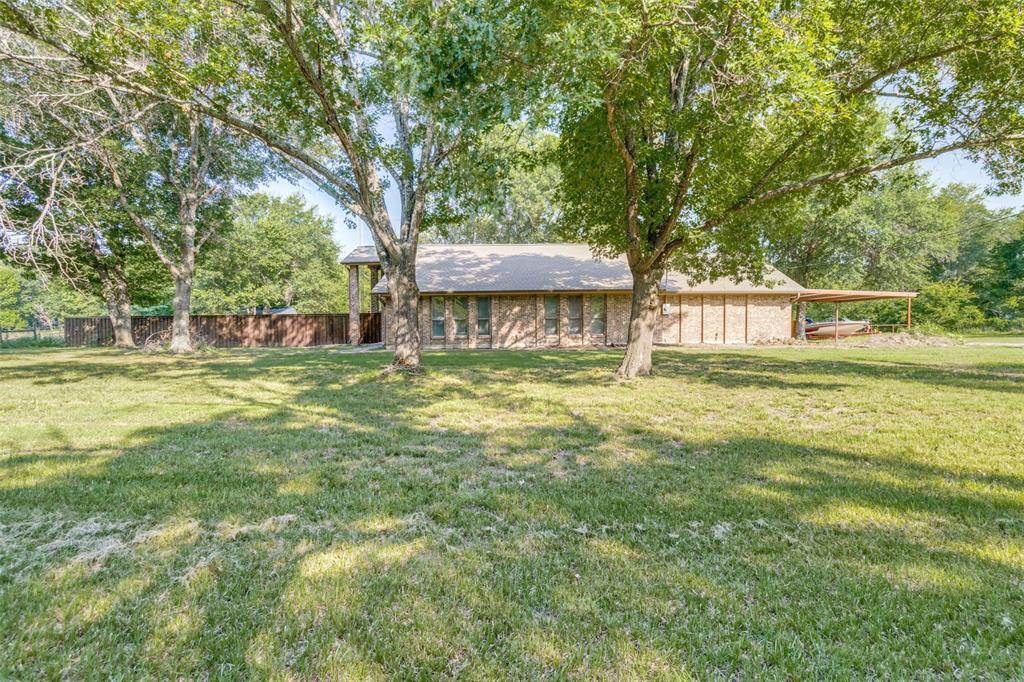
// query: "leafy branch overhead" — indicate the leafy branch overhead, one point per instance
point(690, 122)
point(358, 97)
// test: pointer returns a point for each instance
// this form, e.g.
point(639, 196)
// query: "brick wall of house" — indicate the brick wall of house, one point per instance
point(618, 319)
point(668, 326)
point(735, 319)
point(693, 318)
point(517, 321)
point(769, 319)
point(713, 310)
point(513, 322)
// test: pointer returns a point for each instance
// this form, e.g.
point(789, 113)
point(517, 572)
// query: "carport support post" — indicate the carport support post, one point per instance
point(909, 304)
point(353, 304)
point(836, 328)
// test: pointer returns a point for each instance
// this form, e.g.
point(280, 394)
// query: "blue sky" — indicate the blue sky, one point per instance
point(944, 170)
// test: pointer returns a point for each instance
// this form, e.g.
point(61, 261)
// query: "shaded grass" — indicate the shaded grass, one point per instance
point(780, 513)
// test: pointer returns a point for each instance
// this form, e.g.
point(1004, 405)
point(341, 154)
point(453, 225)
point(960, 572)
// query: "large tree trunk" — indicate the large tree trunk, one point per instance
point(181, 336)
point(405, 302)
point(119, 308)
point(643, 315)
point(114, 290)
point(801, 320)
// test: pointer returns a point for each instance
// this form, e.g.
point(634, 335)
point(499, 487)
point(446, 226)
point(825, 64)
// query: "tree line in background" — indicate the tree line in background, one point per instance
point(703, 136)
point(902, 234)
point(274, 253)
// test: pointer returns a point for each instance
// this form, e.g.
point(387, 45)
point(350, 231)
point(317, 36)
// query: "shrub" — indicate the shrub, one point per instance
point(949, 305)
point(29, 342)
point(928, 328)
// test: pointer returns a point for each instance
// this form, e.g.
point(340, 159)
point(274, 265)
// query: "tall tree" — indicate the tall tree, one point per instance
point(809, 244)
point(59, 208)
point(688, 126)
point(87, 249)
point(890, 235)
point(1001, 289)
point(277, 252)
point(176, 181)
point(353, 94)
point(979, 230)
point(99, 160)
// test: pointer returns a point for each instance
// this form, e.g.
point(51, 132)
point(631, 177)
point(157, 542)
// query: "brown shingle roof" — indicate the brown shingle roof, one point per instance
point(361, 255)
point(493, 268)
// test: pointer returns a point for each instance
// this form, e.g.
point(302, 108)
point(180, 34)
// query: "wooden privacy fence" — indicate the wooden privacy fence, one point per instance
point(231, 330)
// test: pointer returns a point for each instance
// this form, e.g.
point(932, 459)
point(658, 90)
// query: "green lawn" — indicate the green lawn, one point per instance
point(780, 513)
point(1015, 338)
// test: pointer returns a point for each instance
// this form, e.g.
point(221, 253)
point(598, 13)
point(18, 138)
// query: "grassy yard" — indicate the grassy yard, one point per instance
point(1007, 338)
point(780, 513)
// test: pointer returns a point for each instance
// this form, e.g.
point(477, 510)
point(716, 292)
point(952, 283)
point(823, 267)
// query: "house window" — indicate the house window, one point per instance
point(483, 316)
point(575, 305)
point(460, 314)
point(551, 315)
point(597, 315)
point(437, 317)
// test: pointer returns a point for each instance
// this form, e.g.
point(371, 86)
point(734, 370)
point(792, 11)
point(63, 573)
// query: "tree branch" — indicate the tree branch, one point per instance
point(629, 165)
point(866, 169)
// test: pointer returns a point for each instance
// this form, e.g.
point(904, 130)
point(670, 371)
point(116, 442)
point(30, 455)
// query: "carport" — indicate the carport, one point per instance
point(838, 296)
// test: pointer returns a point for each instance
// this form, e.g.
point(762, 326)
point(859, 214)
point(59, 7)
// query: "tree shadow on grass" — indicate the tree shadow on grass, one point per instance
point(807, 368)
point(741, 369)
point(363, 528)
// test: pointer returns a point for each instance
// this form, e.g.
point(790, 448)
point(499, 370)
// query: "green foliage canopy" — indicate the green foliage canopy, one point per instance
point(902, 234)
point(948, 304)
point(9, 289)
point(889, 236)
point(689, 127)
point(503, 191)
point(277, 252)
point(33, 299)
point(1002, 287)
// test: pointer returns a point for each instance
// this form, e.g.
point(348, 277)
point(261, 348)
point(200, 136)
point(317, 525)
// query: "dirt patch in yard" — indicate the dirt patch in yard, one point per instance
point(899, 340)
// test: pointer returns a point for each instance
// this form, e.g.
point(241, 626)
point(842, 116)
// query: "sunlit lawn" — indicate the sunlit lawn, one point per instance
point(783, 513)
point(1015, 338)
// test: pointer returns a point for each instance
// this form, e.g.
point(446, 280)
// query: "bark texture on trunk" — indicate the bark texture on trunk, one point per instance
point(801, 320)
point(119, 309)
point(405, 302)
point(643, 315)
point(119, 306)
point(183, 270)
point(181, 336)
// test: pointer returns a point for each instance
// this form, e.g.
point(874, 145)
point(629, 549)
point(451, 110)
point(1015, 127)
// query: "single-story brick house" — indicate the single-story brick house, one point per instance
point(542, 295)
